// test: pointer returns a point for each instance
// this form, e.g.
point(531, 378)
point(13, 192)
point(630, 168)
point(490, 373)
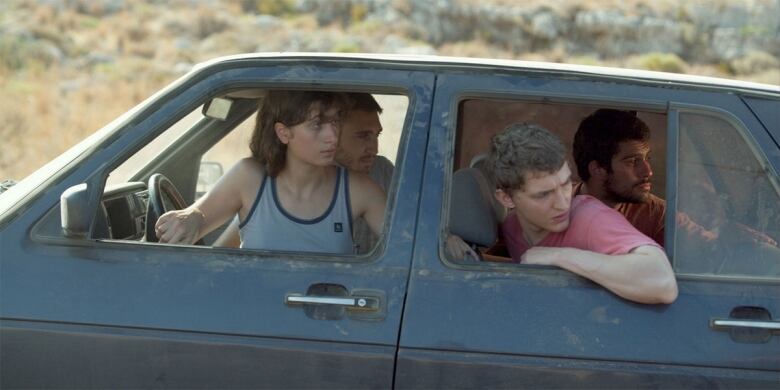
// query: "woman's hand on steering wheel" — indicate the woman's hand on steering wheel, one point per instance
point(180, 226)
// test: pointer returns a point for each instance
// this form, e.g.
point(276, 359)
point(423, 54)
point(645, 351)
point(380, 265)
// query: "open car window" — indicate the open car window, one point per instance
point(197, 150)
point(474, 213)
point(726, 223)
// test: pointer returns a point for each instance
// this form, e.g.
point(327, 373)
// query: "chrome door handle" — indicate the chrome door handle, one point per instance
point(350, 303)
point(722, 323)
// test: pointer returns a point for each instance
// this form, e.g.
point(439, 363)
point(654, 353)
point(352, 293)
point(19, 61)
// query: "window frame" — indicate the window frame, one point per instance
point(676, 109)
point(183, 97)
point(650, 106)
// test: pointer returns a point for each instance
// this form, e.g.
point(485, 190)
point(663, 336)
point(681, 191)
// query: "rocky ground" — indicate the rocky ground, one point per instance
point(69, 66)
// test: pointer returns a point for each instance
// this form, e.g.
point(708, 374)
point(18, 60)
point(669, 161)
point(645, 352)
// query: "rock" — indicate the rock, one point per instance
point(546, 25)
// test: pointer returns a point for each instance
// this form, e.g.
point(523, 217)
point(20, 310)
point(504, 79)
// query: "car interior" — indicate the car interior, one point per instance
point(474, 211)
point(716, 162)
point(186, 160)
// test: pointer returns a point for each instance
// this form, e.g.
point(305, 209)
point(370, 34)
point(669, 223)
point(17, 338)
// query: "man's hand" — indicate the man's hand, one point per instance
point(458, 249)
point(179, 226)
point(744, 233)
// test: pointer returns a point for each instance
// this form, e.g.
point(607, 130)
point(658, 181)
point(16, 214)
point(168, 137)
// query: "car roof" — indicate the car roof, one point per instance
point(424, 61)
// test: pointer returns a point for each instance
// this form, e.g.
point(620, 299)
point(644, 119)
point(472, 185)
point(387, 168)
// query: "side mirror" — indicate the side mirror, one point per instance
point(74, 211)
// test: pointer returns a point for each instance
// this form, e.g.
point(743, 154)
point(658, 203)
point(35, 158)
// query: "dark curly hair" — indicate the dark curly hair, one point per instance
point(599, 134)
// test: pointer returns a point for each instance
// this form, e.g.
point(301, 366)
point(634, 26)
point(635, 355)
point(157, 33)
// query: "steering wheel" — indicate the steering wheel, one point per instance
point(163, 197)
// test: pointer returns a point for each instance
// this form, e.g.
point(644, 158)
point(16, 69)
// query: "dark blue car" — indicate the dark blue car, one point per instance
point(86, 300)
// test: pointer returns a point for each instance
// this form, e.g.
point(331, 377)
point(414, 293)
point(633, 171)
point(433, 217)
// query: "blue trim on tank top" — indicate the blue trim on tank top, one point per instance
point(349, 203)
point(307, 221)
point(254, 205)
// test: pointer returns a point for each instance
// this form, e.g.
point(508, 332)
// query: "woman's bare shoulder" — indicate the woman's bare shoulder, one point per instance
point(248, 167)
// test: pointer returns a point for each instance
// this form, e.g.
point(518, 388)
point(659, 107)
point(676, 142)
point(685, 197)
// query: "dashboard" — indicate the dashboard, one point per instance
point(122, 215)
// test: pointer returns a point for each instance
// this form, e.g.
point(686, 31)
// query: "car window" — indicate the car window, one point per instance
point(198, 149)
point(224, 154)
point(728, 221)
point(473, 209)
point(234, 146)
point(125, 171)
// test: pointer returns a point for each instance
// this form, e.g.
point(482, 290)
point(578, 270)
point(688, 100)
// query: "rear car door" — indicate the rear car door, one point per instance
point(95, 313)
point(498, 325)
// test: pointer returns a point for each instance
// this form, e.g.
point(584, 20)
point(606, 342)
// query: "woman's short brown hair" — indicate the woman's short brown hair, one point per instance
point(289, 108)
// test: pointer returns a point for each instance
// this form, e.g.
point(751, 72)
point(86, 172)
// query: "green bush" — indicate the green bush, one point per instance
point(663, 62)
point(17, 53)
point(269, 7)
point(346, 47)
point(358, 13)
point(753, 62)
point(11, 52)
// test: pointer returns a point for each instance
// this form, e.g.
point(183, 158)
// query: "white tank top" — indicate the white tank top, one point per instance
point(269, 226)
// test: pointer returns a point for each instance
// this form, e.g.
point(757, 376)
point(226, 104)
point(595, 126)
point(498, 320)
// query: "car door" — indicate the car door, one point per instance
point(95, 313)
point(494, 325)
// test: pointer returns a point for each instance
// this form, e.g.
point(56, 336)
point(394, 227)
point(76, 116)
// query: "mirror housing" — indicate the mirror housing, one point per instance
point(74, 211)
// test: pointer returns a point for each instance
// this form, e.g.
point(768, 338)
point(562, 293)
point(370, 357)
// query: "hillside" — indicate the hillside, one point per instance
point(67, 67)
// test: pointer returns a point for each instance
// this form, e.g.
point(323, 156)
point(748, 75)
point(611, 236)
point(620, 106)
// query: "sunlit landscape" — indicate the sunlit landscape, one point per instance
point(69, 67)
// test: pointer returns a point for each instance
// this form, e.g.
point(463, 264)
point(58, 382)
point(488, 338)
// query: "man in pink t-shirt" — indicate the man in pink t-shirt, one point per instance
point(592, 226)
point(583, 236)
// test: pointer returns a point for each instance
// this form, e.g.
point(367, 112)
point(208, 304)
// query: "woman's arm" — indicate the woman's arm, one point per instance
point(210, 211)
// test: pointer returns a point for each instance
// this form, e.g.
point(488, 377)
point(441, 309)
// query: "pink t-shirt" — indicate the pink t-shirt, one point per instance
point(593, 226)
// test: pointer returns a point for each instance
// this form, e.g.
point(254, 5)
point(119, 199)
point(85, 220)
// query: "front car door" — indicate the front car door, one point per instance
point(502, 325)
point(101, 313)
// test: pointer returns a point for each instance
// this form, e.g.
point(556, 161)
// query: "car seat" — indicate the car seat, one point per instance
point(473, 216)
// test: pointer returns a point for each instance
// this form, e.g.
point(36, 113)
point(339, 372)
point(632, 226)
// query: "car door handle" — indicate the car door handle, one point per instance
point(722, 323)
point(350, 303)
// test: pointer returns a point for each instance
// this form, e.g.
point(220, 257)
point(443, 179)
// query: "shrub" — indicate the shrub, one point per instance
point(269, 7)
point(357, 13)
point(12, 52)
point(208, 23)
point(18, 52)
point(754, 62)
point(663, 62)
point(346, 47)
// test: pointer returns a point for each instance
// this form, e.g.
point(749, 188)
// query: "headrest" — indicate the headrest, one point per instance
point(480, 162)
point(472, 216)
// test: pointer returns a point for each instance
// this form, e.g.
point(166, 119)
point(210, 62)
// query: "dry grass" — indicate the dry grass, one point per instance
point(87, 64)
point(41, 117)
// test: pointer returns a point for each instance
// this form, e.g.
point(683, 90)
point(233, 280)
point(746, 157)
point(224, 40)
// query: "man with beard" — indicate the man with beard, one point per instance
point(549, 226)
point(357, 150)
point(612, 153)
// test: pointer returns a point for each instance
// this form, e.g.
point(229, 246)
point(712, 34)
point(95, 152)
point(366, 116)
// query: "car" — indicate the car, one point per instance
point(88, 299)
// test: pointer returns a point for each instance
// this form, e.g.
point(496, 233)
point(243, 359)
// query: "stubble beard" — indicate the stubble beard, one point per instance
point(626, 196)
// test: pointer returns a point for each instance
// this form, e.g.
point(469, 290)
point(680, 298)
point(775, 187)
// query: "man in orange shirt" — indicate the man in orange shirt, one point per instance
point(612, 153)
